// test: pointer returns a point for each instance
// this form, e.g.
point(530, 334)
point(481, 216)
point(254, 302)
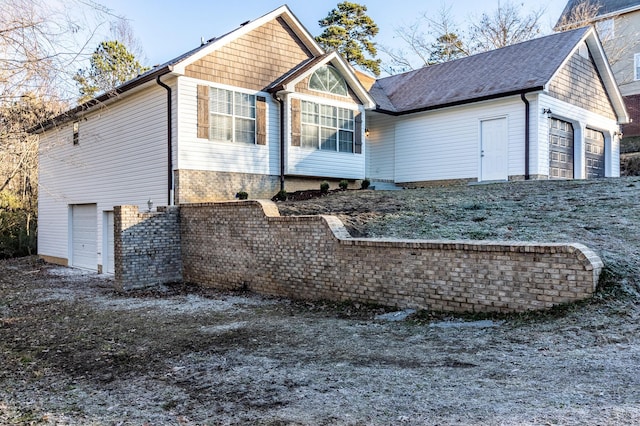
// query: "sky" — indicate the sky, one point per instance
point(168, 29)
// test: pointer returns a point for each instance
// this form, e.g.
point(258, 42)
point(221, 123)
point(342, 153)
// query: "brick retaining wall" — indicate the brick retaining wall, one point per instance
point(146, 247)
point(248, 245)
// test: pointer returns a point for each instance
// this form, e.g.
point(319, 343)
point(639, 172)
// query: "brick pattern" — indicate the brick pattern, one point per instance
point(146, 247)
point(254, 60)
point(199, 186)
point(579, 83)
point(248, 245)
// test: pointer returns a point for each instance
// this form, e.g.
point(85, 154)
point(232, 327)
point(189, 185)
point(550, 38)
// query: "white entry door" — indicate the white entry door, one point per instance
point(494, 150)
point(108, 244)
point(84, 234)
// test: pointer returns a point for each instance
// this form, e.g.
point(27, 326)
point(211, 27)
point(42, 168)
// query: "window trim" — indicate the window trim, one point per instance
point(336, 73)
point(337, 130)
point(233, 115)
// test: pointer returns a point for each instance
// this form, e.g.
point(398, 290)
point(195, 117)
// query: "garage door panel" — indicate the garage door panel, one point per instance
point(84, 236)
point(560, 150)
point(594, 154)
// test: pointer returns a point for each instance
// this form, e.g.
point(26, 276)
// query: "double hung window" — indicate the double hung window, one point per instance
point(232, 116)
point(327, 127)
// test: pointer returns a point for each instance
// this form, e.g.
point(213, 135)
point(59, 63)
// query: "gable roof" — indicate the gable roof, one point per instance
point(288, 82)
point(177, 66)
point(519, 68)
point(606, 9)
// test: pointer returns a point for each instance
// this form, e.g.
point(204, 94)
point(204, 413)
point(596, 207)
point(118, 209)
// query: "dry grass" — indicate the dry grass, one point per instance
point(75, 352)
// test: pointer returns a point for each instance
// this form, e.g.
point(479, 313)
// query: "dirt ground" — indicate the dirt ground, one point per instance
point(73, 351)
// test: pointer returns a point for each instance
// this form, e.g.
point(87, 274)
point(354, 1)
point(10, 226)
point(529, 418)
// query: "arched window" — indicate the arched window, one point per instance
point(327, 79)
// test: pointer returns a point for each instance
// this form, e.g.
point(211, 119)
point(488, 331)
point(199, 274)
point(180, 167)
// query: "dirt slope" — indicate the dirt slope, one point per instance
point(74, 352)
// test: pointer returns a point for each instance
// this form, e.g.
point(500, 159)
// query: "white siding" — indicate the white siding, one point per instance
point(380, 147)
point(580, 119)
point(313, 162)
point(202, 154)
point(444, 144)
point(121, 158)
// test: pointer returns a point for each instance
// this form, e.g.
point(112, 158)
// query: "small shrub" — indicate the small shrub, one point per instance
point(324, 187)
point(344, 184)
point(281, 195)
point(365, 184)
point(630, 144)
point(242, 195)
point(630, 165)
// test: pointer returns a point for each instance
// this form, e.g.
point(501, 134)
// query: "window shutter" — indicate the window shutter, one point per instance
point(357, 145)
point(296, 126)
point(261, 120)
point(203, 112)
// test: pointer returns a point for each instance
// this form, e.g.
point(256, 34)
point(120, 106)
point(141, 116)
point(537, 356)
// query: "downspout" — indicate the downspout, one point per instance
point(282, 139)
point(526, 135)
point(169, 143)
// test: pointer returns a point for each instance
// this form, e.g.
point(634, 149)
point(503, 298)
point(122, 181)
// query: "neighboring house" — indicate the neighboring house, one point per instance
point(543, 109)
point(618, 25)
point(264, 107)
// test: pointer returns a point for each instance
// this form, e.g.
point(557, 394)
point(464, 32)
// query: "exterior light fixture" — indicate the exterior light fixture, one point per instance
point(366, 132)
point(547, 111)
point(150, 204)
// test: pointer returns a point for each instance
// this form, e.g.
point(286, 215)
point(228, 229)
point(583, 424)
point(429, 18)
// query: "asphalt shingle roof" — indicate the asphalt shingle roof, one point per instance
point(605, 7)
point(517, 68)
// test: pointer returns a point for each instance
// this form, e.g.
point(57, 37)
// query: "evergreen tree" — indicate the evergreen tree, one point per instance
point(110, 65)
point(349, 30)
point(446, 48)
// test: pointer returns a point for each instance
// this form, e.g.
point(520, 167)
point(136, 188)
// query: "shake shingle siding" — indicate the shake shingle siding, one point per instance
point(579, 83)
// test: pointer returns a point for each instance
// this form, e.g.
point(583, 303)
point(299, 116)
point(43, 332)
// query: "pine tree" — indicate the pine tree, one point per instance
point(349, 31)
point(110, 65)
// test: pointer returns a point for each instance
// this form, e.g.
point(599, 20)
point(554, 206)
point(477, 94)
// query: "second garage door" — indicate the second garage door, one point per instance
point(594, 153)
point(560, 150)
point(84, 236)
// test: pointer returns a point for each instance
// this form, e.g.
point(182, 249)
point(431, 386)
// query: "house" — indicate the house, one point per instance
point(241, 112)
point(547, 108)
point(618, 25)
point(264, 108)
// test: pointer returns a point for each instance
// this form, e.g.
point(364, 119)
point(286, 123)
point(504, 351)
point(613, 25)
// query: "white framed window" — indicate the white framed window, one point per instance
point(327, 127)
point(232, 116)
point(328, 79)
point(636, 66)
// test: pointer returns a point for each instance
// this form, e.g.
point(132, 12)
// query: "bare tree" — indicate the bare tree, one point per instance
point(42, 43)
point(427, 41)
point(619, 36)
point(431, 40)
point(504, 26)
point(581, 15)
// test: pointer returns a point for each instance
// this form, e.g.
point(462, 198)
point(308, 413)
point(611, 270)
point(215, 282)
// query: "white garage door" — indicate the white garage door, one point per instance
point(84, 236)
point(108, 238)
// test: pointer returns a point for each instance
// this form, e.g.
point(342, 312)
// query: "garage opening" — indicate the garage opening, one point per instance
point(560, 150)
point(108, 249)
point(594, 154)
point(84, 234)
